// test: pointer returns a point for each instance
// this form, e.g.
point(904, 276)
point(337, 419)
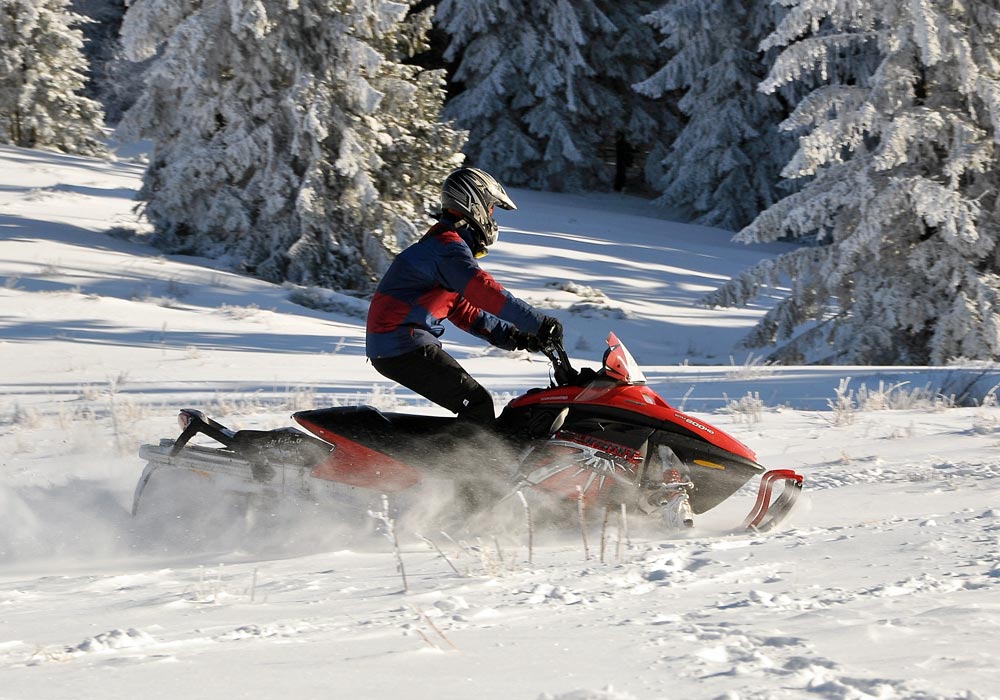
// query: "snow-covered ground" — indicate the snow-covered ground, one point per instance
point(886, 584)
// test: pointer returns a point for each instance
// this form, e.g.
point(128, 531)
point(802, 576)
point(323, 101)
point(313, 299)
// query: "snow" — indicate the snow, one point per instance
point(885, 584)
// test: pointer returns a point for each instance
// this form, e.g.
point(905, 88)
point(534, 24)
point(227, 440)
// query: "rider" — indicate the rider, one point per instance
point(438, 277)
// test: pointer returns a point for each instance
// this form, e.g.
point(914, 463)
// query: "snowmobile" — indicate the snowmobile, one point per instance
point(597, 439)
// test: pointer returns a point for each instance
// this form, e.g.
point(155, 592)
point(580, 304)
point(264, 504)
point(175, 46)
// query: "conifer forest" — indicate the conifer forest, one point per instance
point(306, 142)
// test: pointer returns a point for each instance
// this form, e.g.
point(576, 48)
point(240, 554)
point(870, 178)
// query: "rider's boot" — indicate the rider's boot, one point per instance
point(671, 500)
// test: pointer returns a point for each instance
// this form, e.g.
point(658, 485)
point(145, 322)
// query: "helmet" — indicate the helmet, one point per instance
point(473, 193)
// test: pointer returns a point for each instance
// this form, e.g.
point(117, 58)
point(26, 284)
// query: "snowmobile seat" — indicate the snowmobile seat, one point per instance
point(354, 421)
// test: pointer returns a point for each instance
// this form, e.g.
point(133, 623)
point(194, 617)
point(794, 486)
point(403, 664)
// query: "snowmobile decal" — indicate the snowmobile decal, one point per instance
point(571, 464)
point(358, 465)
point(692, 421)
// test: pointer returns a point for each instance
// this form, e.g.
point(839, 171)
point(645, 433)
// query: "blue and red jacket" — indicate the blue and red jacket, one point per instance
point(436, 278)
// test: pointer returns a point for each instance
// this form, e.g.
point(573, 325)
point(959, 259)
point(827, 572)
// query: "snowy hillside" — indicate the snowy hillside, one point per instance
point(886, 584)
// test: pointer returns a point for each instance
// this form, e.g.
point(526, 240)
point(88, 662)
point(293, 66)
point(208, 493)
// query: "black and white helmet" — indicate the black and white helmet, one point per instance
point(473, 193)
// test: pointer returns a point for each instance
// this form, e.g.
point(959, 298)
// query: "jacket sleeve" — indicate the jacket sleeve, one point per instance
point(482, 323)
point(460, 273)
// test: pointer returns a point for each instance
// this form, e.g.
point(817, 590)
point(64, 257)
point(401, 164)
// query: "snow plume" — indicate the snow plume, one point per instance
point(81, 512)
point(182, 512)
point(76, 520)
point(469, 473)
point(464, 477)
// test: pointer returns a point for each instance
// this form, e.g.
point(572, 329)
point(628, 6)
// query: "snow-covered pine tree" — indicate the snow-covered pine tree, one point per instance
point(644, 124)
point(290, 139)
point(100, 28)
point(114, 81)
point(903, 196)
point(42, 74)
point(546, 87)
point(724, 167)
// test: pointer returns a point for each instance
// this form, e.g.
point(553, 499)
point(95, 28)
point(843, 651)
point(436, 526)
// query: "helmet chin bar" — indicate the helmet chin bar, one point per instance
point(483, 242)
point(481, 239)
point(474, 193)
point(492, 233)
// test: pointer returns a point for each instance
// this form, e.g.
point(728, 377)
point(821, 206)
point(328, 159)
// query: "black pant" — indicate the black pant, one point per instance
point(436, 375)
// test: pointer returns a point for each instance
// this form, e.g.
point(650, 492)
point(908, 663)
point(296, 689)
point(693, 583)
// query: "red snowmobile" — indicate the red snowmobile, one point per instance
point(601, 438)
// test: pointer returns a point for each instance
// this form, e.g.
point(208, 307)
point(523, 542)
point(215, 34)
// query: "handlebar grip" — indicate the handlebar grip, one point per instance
point(561, 368)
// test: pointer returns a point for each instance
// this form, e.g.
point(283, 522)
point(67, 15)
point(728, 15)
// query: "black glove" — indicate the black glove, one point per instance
point(550, 332)
point(525, 341)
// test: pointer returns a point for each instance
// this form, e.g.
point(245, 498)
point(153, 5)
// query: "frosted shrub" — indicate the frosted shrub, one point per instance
point(299, 399)
point(326, 300)
point(25, 417)
point(383, 397)
point(842, 404)
point(581, 290)
point(902, 397)
point(985, 424)
point(232, 405)
point(89, 392)
point(240, 313)
point(177, 290)
point(987, 418)
point(748, 409)
point(970, 382)
point(887, 397)
point(167, 302)
point(754, 367)
point(990, 399)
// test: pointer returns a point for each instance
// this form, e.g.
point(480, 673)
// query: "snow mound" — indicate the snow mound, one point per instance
point(114, 639)
point(608, 694)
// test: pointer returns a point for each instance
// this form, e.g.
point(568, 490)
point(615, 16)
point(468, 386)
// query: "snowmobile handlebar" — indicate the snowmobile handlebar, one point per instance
point(563, 372)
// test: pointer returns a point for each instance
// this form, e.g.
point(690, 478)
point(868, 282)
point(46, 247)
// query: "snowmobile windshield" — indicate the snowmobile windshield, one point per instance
point(619, 363)
point(619, 367)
